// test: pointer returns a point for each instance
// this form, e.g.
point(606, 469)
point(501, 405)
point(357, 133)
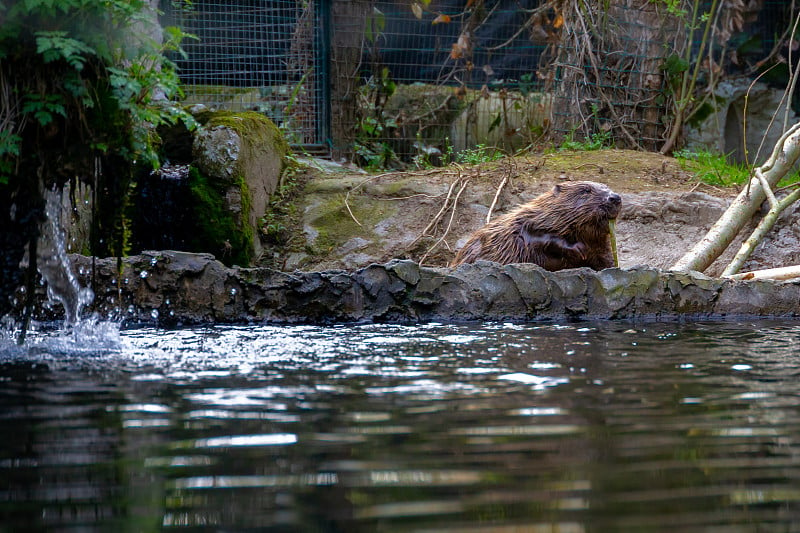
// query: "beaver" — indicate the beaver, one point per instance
point(566, 227)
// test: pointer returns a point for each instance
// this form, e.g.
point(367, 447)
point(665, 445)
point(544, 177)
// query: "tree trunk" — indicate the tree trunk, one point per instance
point(347, 37)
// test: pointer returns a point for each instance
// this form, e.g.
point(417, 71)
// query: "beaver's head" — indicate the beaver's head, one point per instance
point(588, 199)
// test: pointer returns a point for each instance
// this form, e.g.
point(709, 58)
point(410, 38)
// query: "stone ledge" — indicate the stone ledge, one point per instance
point(177, 288)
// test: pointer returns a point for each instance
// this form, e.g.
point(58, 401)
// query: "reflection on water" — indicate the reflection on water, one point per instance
point(447, 428)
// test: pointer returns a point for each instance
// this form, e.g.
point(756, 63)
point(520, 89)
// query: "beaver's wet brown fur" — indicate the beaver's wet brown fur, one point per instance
point(566, 227)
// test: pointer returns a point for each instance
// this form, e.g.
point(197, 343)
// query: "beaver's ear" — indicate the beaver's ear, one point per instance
point(556, 188)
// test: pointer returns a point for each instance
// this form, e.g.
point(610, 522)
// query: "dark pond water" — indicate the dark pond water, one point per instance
point(587, 427)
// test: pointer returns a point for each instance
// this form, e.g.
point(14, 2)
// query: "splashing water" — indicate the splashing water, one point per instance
point(88, 338)
point(54, 265)
point(79, 336)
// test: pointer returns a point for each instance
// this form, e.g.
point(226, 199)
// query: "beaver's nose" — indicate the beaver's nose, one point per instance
point(614, 198)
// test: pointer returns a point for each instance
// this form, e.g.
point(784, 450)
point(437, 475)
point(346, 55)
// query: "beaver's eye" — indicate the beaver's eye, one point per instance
point(586, 189)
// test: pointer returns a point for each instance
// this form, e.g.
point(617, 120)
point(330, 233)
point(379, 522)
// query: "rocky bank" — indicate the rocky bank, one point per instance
point(375, 248)
point(347, 220)
point(360, 247)
point(176, 288)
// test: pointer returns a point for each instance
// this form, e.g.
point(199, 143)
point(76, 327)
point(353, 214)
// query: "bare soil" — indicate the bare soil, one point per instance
point(346, 219)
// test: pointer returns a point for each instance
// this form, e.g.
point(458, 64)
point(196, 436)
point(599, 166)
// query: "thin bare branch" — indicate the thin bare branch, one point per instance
point(761, 230)
point(449, 223)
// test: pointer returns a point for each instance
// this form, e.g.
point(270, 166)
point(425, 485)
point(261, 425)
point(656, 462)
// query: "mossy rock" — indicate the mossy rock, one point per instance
point(220, 230)
point(334, 225)
point(334, 230)
point(437, 104)
point(240, 156)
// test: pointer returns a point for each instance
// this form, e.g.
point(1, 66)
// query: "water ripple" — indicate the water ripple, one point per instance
point(605, 426)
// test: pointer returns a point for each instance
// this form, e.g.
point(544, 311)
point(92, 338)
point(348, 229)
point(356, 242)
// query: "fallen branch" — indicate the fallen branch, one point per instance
point(438, 215)
point(742, 209)
point(781, 273)
point(767, 188)
point(763, 228)
point(449, 223)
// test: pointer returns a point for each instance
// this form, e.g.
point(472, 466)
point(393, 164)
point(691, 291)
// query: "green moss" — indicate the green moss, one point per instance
point(335, 225)
point(245, 228)
point(230, 236)
point(428, 100)
point(215, 90)
point(248, 125)
point(226, 235)
point(246, 97)
point(327, 185)
point(282, 212)
point(399, 187)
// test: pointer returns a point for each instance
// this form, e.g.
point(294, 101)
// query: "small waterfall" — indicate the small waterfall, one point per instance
point(79, 337)
point(54, 265)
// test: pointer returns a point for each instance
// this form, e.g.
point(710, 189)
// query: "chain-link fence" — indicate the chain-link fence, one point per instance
point(393, 81)
point(443, 80)
point(267, 56)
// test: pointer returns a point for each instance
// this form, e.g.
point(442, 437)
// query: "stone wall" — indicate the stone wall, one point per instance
point(173, 288)
point(724, 132)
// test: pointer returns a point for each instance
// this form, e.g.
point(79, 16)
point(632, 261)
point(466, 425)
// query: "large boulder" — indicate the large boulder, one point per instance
point(239, 158)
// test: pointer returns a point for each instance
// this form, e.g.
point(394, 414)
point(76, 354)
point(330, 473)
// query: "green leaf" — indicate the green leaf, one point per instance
point(368, 30)
point(380, 19)
point(674, 64)
point(9, 143)
point(55, 45)
point(43, 107)
point(375, 24)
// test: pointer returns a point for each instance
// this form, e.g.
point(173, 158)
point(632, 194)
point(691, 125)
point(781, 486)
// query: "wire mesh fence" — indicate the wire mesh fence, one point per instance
point(441, 81)
point(264, 56)
point(388, 82)
point(636, 74)
point(609, 83)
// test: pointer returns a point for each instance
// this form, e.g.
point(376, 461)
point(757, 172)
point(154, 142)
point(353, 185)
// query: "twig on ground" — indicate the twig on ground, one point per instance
point(356, 186)
point(449, 223)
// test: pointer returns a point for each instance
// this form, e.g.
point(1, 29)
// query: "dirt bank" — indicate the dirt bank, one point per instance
point(345, 219)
